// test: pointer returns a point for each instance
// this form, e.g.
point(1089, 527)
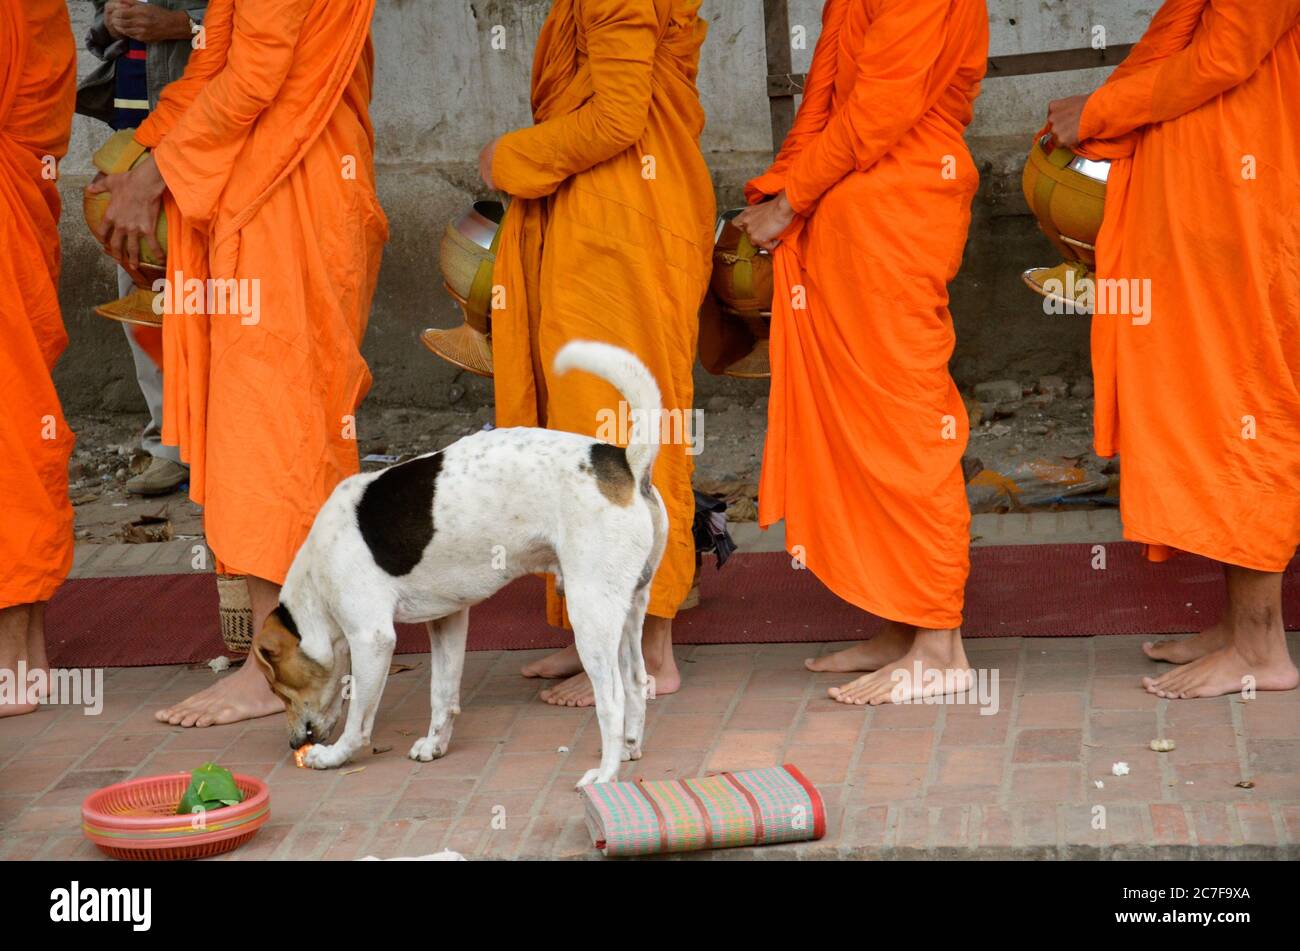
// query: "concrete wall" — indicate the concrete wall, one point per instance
point(441, 91)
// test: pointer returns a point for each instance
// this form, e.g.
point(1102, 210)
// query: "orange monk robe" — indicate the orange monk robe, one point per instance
point(1200, 394)
point(266, 147)
point(609, 236)
point(866, 428)
point(38, 73)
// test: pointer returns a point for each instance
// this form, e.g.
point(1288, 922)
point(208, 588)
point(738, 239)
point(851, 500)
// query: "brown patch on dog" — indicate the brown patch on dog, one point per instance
point(613, 474)
point(294, 677)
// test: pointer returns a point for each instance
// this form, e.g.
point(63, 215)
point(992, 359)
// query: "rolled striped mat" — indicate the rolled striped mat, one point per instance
point(728, 810)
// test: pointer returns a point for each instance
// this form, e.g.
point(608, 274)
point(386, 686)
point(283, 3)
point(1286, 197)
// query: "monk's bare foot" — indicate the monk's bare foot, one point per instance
point(574, 692)
point(889, 644)
point(657, 648)
point(1253, 655)
point(562, 663)
point(8, 709)
point(577, 691)
point(1187, 649)
point(664, 678)
point(243, 695)
point(15, 699)
point(934, 666)
point(660, 664)
point(1222, 672)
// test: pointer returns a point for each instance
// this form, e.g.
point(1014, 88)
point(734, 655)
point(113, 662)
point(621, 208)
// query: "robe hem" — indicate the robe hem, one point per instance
point(44, 592)
point(225, 568)
point(1155, 538)
point(872, 606)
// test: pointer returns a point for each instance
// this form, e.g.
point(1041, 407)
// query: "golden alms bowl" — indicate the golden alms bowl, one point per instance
point(742, 273)
point(466, 257)
point(121, 153)
point(468, 251)
point(1067, 194)
point(736, 318)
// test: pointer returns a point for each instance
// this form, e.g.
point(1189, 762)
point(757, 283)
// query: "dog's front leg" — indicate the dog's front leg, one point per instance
point(446, 663)
point(372, 654)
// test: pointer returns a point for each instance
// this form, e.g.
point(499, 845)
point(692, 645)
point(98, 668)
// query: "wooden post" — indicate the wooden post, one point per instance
point(1056, 61)
point(780, 88)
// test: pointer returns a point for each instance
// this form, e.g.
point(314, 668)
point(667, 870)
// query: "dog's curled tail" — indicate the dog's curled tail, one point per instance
point(630, 377)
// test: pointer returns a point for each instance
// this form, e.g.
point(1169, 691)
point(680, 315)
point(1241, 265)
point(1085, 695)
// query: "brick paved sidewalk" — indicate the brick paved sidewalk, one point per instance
point(914, 781)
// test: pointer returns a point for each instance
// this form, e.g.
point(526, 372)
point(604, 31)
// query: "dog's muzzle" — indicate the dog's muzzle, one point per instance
point(309, 734)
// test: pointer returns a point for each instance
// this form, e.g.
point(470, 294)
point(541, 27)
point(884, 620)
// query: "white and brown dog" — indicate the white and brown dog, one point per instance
point(425, 540)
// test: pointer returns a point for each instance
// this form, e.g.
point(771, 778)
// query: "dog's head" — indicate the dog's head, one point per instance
point(312, 691)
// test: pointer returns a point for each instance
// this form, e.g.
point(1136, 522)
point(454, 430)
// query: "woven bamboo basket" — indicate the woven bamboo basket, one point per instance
point(236, 613)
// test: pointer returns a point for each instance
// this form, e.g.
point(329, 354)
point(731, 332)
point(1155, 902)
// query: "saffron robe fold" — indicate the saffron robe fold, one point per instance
point(267, 150)
point(608, 236)
point(1200, 395)
point(38, 73)
point(866, 428)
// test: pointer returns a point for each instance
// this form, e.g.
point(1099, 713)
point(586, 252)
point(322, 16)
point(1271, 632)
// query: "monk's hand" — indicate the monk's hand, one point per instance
point(132, 214)
point(148, 22)
point(485, 156)
point(765, 223)
point(1064, 116)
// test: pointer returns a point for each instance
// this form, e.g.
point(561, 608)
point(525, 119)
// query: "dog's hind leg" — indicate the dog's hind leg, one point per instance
point(446, 663)
point(598, 616)
point(636, 683)
point(372, 654)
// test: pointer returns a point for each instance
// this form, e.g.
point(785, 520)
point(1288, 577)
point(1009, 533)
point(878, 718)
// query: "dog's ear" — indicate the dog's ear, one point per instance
point(273, 643)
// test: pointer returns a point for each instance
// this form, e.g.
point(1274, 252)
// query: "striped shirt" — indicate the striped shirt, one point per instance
point(131, 90)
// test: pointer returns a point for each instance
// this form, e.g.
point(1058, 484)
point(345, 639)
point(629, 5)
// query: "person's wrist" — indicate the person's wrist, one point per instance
point(1086, 129)
point(183, 26)
point(152, 176)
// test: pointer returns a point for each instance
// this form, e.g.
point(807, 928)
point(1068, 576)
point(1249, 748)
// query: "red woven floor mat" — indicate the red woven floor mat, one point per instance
point(1028, 590)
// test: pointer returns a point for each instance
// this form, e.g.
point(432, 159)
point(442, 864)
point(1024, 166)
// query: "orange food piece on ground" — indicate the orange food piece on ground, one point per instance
point(1198, 388)
point(997, 481)
point(1055, 473)
point(38, 73)
point(267, 150)
point(866, 428)
point(609, 237)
